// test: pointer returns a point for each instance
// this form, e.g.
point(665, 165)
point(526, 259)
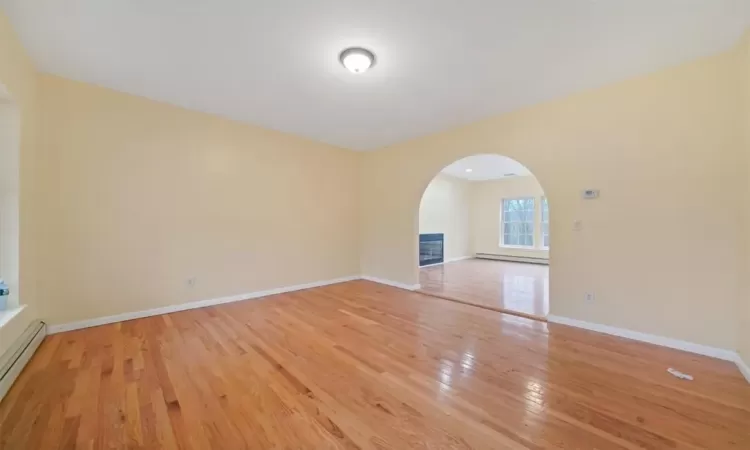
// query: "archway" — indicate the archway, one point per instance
point(9, 197)
point(484, 236)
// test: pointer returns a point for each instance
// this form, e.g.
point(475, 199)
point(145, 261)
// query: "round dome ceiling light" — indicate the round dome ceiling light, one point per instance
point(357, 60)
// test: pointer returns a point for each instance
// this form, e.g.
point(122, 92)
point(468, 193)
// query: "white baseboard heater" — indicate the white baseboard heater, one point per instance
point(522, 259)
point(18, 355)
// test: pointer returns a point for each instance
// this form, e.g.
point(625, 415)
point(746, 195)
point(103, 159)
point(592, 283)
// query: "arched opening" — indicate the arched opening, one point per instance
point(484, 236)
point(9, 198)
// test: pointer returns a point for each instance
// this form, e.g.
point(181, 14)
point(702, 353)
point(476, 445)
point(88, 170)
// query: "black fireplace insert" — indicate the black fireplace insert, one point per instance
point(430, 249)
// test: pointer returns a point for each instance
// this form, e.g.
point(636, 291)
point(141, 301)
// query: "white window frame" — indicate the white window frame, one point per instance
point(543, 222)
point(503, 222)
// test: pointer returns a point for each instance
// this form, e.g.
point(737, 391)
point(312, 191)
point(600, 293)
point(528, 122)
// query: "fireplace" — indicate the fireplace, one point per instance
point(430, 249)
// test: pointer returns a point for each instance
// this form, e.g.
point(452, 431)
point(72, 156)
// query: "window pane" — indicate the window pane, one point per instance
point(518, 217)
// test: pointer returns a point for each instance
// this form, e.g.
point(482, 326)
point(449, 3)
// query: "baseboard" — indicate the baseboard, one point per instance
point(408, 287)
point(448, 261)
point(52, 329)
point(509, 258)
point(744, 368)
point(460, 258)
point(21, 352)
point(691, 347)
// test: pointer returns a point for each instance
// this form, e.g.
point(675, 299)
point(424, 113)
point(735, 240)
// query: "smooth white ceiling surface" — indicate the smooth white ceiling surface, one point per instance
point(441, 63)
point(486, 167)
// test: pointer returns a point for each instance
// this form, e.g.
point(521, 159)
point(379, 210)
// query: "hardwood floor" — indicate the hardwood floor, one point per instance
point(362, 365)
point(516, 288)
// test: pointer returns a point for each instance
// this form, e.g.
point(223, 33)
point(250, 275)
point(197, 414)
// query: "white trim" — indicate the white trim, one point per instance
point(7, 315)
point(460, 258)
point(530, 248)
point(526, 248)
point(408, 287)
point(448, 261)
point(52, 329)
point(744, 368)
point(691, 347)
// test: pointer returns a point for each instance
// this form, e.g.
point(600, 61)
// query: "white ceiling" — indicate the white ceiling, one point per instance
point(486, 167)
point(441, 63)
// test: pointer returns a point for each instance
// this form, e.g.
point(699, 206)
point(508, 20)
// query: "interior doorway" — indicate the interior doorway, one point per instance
point(484, 236)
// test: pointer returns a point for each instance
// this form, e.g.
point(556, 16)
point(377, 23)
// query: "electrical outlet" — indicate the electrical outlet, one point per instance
point(191, 281)
point(589, 297)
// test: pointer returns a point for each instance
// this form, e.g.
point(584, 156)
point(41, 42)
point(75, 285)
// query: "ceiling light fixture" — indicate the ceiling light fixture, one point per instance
point(357, 59)
point(469, 170)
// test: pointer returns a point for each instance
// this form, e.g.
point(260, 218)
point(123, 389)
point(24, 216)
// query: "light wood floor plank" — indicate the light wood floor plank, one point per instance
point(360, 365)
point(515, 288)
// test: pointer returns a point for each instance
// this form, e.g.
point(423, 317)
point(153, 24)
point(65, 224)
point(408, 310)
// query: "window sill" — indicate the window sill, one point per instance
point(521, 247)
point(8, 315)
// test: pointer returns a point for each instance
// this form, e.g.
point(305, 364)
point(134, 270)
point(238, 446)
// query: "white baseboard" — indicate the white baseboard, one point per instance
point(408, 287)
point(691, 347)
point(744, 368)
point(448, 261)
point(705, 350)
point(460, 258)
point(52, 329)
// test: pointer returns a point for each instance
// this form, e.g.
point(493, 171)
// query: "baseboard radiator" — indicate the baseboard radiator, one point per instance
point(522, 259)
point(15, 358)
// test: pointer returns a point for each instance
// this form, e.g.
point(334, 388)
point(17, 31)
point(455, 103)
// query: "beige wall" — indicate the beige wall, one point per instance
point(122, 199)
point(444, 208)
point(17, 85)
point(664, 151)
point(744, 302)
point(486, 203)
point(147, 196)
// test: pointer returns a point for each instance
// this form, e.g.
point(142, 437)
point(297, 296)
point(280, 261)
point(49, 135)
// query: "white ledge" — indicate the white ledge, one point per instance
point(8, 315)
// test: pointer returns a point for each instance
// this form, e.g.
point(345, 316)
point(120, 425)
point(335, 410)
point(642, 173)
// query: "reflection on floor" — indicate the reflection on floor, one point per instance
point(515, 287)
point(361, 365)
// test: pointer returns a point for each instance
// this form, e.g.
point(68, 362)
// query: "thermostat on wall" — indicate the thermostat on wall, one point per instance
point(591, 193)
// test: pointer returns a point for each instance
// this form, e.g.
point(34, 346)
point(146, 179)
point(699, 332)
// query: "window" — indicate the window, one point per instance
point(545, 223)
point(518, 222)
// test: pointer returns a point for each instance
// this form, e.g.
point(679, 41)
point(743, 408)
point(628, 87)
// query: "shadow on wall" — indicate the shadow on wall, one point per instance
point(483, 204)
point(9, 197)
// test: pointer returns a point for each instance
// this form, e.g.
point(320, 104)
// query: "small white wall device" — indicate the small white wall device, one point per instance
point(590, 194)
